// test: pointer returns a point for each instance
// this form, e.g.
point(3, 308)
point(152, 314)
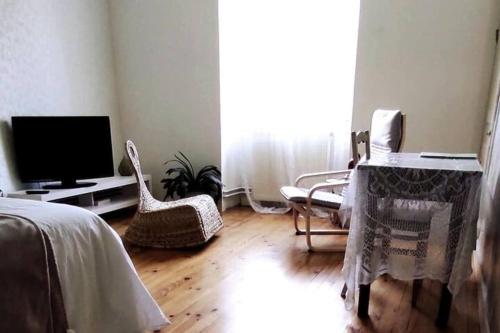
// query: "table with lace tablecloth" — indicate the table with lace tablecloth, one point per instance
point(413, 218)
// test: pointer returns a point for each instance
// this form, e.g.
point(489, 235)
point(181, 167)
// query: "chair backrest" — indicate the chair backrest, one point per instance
point(356, 139)
point(145, 197)
point(387, 131)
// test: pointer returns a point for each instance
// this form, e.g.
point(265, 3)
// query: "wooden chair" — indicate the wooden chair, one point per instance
point(388, 131)
point(174, 224)
point(415, 230)
point(387, 135)
point(303, 200)
point(410, 231)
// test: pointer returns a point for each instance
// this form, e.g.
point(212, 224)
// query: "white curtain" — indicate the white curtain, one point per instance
point(287, 80)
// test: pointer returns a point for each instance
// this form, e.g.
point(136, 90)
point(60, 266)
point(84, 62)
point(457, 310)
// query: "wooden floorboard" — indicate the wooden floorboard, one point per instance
point(257, 276)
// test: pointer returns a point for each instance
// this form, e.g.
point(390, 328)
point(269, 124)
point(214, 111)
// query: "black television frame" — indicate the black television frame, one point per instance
point(67, 180)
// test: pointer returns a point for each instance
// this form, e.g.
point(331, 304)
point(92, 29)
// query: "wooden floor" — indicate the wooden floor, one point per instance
point(256, 276)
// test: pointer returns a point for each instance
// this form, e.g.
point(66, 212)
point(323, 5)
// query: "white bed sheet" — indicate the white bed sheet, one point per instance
point(101, 289)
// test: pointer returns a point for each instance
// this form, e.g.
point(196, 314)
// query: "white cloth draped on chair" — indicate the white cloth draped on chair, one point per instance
point(287, 82)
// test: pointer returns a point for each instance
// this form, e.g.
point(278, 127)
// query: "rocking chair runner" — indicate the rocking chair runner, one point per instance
point(387, 135)
point(181, 223)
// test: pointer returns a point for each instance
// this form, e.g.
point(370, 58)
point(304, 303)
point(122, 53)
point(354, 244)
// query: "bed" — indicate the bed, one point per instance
point(66, 270)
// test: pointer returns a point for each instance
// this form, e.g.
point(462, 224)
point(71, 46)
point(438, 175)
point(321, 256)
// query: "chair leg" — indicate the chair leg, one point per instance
point(308, 231)
point(417, 285)
point(343, 293)
point(342, 232)
point(310, 247)
point(444, 307)
point(299, 231)
point(295, 221)
point(364, 300)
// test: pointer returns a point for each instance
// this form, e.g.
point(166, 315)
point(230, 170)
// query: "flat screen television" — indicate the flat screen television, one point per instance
point(62, 149)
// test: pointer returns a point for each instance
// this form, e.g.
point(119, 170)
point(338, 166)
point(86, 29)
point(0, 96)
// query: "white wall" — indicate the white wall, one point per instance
point(166, 60)
point(55, 59)
point(488, 246)
point(491, 109)
point(433, 60)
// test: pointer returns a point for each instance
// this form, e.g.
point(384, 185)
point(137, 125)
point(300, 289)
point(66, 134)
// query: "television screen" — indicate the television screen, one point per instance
point(62, 148)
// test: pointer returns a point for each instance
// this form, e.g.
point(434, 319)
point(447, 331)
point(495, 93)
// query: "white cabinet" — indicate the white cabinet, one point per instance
point(109, 194)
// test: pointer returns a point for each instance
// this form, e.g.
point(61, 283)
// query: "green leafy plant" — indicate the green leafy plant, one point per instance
point(182, 181)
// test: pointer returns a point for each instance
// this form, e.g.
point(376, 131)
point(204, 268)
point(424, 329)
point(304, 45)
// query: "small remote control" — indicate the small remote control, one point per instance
point(37, 191)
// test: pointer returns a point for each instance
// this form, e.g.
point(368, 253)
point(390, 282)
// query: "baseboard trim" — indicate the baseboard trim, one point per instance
point(236, 200)
point(226, 193)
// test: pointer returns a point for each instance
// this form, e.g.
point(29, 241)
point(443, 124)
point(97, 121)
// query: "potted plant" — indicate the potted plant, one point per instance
point(182, 181)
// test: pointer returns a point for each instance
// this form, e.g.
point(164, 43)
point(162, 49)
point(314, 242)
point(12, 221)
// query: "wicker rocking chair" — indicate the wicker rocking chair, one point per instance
point(175, 224)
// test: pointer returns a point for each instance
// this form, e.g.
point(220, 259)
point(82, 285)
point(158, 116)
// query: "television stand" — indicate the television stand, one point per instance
point(109, 194)
point(67, 184)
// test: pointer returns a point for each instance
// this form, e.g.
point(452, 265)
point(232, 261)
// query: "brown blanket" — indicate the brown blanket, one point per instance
point(30, 297)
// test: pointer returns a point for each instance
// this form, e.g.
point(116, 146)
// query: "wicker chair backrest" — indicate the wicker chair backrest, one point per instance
point(146, 200)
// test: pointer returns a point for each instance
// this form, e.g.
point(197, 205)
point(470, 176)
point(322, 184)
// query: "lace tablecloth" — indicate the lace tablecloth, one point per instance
point(412, 218)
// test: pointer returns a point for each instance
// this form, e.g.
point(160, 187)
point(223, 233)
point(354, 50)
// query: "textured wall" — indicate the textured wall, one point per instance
point(55, 59)
point(433, 60)
point(167, 66)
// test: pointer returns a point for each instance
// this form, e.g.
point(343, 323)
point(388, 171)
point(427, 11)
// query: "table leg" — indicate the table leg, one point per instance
point(417, 285)
point(451, 246)
point(344, 291)
point(444, 307)
point(364, 300)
